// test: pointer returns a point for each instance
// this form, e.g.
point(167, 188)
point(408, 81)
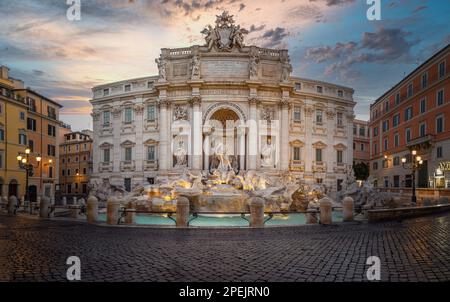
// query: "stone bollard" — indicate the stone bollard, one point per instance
point(182, 212)
point(92, 209)
point(12, 205)
point(257, 212)
point(326, 211)
point(64, 201)
point(112, 211)
point(75, 211)
point(311, 216)
point(130, 218)
point(348, 209)
point(44, 207)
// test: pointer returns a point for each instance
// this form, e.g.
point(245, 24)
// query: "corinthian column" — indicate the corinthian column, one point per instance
point(163, 131)
point(284, 158)
point(197, 143)
point(252, 134)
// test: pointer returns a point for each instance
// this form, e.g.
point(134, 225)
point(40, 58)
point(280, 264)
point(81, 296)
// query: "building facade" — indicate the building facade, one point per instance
point(27, 120)
point(222, 99)
point(414, 115)
point(361, 142)
point(75, 163)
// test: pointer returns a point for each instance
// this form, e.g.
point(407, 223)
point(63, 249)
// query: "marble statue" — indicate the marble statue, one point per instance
point(254, 61)
point(180, 113)
point(267, 154)
point(162, 68)
point(195, 71)
point(180, 155)
point(286, 71)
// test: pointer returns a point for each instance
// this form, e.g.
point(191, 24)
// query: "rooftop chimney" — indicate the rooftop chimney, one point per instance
point(4, 72)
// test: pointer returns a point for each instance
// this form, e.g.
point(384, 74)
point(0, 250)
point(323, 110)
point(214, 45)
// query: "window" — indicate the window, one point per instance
point(106, 118)
point(375, 148)
point(76, 159)
point(408, 135)
point(375, 131)
point(22, 116)
point(355, 129)
point(22, 139)
point(410, 90)
point(440, 124)
point(319, 89)
point(68, 172)
point(396, 120)
point(298, 86)
point(319, 155)
point(2, 134)
point(151, 154)
point(128, 115)
point(424, 80)
point(69, 188)
point(362, 131)
point(423, 106)
point(50, 172)
point(84, 171)
point(440, 97)
point(151, 113)
point(127, 184)
point(375, 165)
point(319, 116)
point(385, 126)
point(340, 93)
point(441, 70)
point(439, 152)
point(340, 117)
point(128, 152)
point(297, 156)
point(51, 112)
point(397, 98)
point(51, 150)
point(31, 145)
point(297, 114)
point(127, 88)
point(408, 113)
point(105, 92)
point(84, 188)
point(1, 159)
point(339, 155)
point(396, 161)
point(386, 106)
point(422, 129)
point(31, 124)
point(63, 172)
point(396, 140)
point(362, 147)
point(106, 156)
point(354, 146)
point(51, 130)
point(396, 181)
point(386, 144)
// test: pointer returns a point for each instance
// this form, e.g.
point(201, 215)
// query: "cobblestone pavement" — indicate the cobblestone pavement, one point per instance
point(412, 250)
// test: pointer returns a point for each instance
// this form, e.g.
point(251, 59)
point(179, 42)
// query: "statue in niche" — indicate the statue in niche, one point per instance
point(195, 72)
point(267, 154)
point(254, 61)
point(286, 71)
point(181, 155)
point(162, 67)
point(266, 114)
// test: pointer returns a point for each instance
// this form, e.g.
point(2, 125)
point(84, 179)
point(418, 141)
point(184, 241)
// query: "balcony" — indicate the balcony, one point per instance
point(150, 165)
point(106, 167)
point(127, 166)
point(319, 167)
point(297, 165)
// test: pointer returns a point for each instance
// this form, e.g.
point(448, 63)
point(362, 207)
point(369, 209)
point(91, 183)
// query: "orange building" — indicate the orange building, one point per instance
point(75, 163)
point(42, 124)
point(361, 142)
point(414, 115)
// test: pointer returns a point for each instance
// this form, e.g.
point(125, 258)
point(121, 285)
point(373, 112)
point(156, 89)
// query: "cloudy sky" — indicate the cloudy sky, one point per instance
point(328, 40)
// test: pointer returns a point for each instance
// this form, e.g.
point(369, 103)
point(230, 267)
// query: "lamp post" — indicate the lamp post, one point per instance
point(414, 165)
point(25, 163)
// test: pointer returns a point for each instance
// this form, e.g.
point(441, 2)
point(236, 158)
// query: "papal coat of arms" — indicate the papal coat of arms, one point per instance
point(225, 35)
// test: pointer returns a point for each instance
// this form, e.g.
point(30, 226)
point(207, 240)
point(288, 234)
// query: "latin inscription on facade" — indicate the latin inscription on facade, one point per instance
point(224, 68)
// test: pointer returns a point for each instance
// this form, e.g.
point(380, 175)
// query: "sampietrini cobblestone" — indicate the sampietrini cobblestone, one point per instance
point(413, 250)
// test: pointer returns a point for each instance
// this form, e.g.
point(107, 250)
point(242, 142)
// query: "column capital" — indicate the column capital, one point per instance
point(195, 100)
point(163, 103)
point(254, 101)
point(285, 102)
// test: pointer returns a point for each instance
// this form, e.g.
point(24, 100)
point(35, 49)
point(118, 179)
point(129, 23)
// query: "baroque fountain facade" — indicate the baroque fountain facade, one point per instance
point(221, 123)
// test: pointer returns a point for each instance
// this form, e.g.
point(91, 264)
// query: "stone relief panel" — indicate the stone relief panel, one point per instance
point(224, 69)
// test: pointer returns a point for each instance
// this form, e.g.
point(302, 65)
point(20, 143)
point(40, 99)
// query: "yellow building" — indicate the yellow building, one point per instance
point(13, 136)
point(28, 120)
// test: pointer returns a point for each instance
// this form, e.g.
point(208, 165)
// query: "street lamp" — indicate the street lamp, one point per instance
point(414, 165)
point(24, 163)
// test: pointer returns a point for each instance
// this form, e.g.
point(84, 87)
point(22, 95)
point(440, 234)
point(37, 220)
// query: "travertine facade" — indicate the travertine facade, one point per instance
point(162, 125)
